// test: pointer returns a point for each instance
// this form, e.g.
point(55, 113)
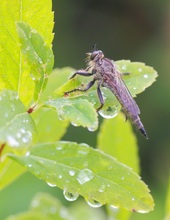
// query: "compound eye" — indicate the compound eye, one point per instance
point(93, 55)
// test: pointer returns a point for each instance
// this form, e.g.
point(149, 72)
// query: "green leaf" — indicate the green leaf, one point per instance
point(56, 79)
point(79, 169)
point(14, 71)
point(117, 139)
point(48, 125)
point(9, 171)
point(78, 112)
point(43, 206)
point(38, 54)
point(140, 76)
point(17, 128)
point(138, 80)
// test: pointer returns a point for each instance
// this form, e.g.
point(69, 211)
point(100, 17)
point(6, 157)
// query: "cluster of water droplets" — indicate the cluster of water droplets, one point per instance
point(21, 137)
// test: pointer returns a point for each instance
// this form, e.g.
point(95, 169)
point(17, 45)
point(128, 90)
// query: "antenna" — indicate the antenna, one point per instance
point(94, 47)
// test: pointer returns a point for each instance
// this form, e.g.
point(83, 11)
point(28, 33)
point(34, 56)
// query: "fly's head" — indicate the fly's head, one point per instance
point(95, 57)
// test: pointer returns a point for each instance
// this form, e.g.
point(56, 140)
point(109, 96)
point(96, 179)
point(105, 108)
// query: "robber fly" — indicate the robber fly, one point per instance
point(106, 74)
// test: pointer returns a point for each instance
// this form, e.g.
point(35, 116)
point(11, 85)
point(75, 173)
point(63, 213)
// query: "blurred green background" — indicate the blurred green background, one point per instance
point(122, 29)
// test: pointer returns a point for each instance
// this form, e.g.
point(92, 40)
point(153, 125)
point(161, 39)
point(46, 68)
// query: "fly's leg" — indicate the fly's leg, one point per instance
point(89, 85)
point(125, 74)
point(101, 99)
point(82, 73)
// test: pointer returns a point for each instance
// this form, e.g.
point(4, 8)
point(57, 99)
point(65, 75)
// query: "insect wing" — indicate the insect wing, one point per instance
point(122, 93)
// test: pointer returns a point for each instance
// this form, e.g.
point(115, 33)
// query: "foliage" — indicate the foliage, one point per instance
point(35, 115)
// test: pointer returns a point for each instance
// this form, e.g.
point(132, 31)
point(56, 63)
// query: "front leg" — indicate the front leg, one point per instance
point(82, 73)
point(89, 85)
point(101, 99)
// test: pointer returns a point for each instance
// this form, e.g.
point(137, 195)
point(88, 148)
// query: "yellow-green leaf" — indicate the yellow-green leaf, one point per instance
point(14, 71)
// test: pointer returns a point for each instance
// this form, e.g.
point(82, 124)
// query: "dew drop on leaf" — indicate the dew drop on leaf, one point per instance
point(60, 116)
point(93, 203)
point(72, 172)
point(91, 128)
point(124, 67)
point(27, 153)
point(84, 176)
point(145, 76)
point(51, 184)
point(12, 141)
point(140, 70)
point(74, 124)
point(101, 188)
point(59, 148)
point(84, 149)
point(114, 208)
point(122, 178)
point(110, 112)
point(29, 165)
point(70, 196)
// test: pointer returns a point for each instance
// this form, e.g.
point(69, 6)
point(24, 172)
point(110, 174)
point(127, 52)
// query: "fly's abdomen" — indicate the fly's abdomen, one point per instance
point(137, 122)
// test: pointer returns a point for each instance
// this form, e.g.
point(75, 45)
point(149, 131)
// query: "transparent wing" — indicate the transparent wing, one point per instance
point(120, 90)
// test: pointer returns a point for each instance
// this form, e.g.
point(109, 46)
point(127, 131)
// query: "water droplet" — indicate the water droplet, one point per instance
point(124, 67)
point(141, 211)
point(140, 70)
point(25, 120)
point(74, 124)
point(40, 60)
point(91, 128)
point(114, 208)
point(27, 48)
point(61, 116)
point(51, 184)
point(122, 178)
point(133, 199)
point(70, 196)
point(29, 165)
point(25, 139)
point(110, 112)
point(134, 88)
point(13, 108)
point(93, 203)
point(145, 76)
point(102, 188)
point(33, 31)
point(72, 172)
point(84, 176)
point(18, 135)
point(23, 130)
point(60, 176)
point(85, 149)
point(12, 141)
point(59, 148)
point(27, 153)
point(33, 77)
